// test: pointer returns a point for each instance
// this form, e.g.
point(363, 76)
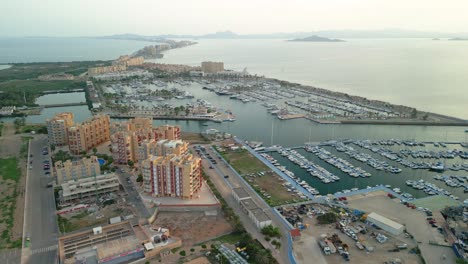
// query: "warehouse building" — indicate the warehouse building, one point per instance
point(386, 224)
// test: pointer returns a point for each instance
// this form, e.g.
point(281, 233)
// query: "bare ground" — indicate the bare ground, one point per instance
point(193, 227)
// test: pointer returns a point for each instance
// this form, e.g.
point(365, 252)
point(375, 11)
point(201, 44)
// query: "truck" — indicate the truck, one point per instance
point(324, 246)
point(331, 246)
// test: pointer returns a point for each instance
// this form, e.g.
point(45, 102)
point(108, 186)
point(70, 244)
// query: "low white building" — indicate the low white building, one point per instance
point(386, 224)
point(256, 214)
point(87, 187)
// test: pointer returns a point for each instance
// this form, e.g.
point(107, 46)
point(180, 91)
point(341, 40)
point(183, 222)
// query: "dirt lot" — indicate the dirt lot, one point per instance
point(95, 215)
point(307, 247)
point(414, 221)
point(193, 227)
point(12, 185)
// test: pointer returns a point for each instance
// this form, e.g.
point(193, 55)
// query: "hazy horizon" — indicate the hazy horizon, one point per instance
point(74, 18)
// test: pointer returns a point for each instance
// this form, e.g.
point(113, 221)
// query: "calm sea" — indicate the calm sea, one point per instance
point(48, 49)
point(426, 74)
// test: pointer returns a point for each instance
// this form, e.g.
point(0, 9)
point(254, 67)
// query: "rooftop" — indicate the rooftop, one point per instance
point(260, 215)
point(385, 220)
point(249, 204)
point(241, 192)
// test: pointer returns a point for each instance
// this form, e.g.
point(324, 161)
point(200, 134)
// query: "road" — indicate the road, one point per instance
point(225, 185)
point(133, 196)
point(40, 218)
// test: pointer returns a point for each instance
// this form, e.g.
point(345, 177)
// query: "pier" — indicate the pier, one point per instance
point(63, 105)
point(159, 117)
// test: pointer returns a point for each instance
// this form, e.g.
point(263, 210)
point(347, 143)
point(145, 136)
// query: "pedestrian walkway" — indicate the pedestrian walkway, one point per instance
point(44, 249)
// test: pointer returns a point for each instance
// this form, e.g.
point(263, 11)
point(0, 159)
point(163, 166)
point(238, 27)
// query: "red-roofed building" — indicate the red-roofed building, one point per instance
point(295, 234)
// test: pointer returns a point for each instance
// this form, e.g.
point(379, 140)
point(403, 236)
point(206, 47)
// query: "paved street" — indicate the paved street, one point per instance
point(224, 187)
point(40, 219)
point(133, 196)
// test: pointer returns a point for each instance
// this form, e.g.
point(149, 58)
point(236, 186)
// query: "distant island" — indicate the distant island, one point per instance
point(316, 39)
point(459, 39)
point(436, 39)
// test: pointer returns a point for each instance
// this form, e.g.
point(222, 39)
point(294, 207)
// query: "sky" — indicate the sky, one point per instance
point(154, 17)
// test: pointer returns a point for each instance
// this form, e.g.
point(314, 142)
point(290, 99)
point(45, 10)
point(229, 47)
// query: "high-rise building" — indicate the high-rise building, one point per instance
point(77, 169)
point(212, 67)
point(89, 134)
point(163, 147)
point(166, 132)
point(127, 137)
point(172, 175)
point(57, 128)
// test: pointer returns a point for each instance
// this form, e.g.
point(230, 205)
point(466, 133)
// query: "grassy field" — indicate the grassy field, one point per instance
point(25, 92)
point(23, 71)
point(19, 84)
point(9, 177)
point(269, 186)
point(9, 169)
point(244, 162)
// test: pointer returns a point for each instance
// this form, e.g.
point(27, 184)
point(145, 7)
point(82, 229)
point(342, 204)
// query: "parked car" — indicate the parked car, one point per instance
point(226, 176)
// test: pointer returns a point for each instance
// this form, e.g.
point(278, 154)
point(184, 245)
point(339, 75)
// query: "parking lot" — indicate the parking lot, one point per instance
point(414, 221)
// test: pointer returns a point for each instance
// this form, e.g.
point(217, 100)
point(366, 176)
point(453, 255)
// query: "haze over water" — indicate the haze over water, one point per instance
point(426, 74)
point(423, 73)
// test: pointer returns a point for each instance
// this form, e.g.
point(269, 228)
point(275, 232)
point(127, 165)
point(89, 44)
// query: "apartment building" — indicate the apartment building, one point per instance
point(166, 132)
point(172, 175)
point(77, 169)
point(106, 69)
point(212, 67)
point(57, 128)
point(129, 61)
point(127, 137)
point(163, 147)
point(89, 134)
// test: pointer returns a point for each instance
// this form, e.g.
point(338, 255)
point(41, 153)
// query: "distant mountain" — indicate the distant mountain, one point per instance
point(221, 35)
point(316, 38)
point(459, 39)
point(387, 33)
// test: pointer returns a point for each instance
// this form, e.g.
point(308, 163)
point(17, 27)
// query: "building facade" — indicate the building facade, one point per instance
point(172, 176)
point(89, 134)
point(77, 169)
point(106, 69)
point(88, 187)
point(163, 147)
point(57, 128)
point(127, 137)
point(212, 67)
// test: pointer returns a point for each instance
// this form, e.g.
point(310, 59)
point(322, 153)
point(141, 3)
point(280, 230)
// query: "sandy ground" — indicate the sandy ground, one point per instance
point(415, 222)
point(193, 227)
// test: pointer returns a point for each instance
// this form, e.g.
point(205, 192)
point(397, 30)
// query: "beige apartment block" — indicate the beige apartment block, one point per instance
point(89, 134)
point(172, 176)
point(212, 67)
point(163, 147)
point(77, 169)
point(57, 128)
point(128, 136)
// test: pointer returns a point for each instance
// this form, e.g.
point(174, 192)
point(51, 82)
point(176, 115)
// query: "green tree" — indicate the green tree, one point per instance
point(414, 113)
point(130, 163)
point(139, 178)
point(327, 218)
point(94, 151)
